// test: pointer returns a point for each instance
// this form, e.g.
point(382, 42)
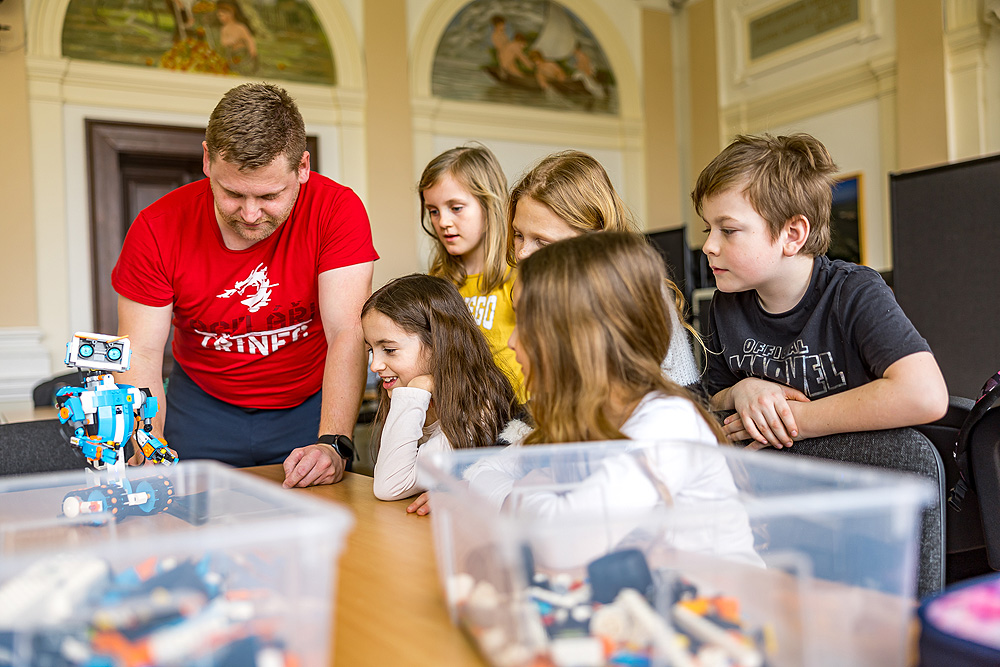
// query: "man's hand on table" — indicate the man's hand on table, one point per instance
point(313, 464)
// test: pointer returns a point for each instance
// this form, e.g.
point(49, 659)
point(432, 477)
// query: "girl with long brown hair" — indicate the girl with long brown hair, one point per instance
point(592, 328)
point(440, 386)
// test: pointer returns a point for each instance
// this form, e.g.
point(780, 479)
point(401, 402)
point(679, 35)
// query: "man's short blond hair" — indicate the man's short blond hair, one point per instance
point(253, 124)
point(782, 177)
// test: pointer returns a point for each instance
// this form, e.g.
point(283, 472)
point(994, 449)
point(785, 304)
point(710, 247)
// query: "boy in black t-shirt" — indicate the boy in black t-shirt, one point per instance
point(799, 345)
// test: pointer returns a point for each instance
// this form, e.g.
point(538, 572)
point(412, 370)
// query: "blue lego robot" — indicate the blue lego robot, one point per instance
point(105, 417)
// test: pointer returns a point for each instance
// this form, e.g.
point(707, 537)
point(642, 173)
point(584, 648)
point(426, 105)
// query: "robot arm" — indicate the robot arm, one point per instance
point(153, 448)
point(146, 406)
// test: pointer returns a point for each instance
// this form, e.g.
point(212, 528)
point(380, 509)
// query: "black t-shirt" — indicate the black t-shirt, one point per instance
point(845, 332)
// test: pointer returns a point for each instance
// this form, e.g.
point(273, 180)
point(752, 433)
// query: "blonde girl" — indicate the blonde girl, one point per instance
point(592, 328)
point(566, 195)
point(440, 387)
point(463, 193)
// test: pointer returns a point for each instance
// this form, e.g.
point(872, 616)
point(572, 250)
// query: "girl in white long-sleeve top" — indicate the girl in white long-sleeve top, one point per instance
point(592, 328)
point(440, 386)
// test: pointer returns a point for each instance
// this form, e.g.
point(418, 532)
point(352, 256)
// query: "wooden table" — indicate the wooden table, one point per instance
point(391, 610)
point(390, 605)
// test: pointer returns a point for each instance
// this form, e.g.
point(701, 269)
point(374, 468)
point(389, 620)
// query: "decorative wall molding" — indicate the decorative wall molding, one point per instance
point(966, 38)
point(810, 98)
point(868, 28)
point(90, 83)
point(24, 361)
point(958, 13)
point(451, 117)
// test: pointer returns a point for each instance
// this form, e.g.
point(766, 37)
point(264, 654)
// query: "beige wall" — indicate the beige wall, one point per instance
point(18, 283)
point(389, 139)
point(922, 114)
point(663, 196)
point(704, 91)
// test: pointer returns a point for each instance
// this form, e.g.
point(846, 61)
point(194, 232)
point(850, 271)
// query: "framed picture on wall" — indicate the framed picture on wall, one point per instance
point(846, 220)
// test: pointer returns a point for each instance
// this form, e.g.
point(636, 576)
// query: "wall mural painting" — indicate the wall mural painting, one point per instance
point(527, 52)
point(263, 39)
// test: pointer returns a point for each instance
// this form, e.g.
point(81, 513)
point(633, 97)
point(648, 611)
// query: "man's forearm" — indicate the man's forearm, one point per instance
point(343, 384)
point(147, 372)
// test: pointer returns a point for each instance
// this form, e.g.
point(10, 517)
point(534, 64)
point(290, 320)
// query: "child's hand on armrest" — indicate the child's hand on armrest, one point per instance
point(736, 433)
point(762, 412)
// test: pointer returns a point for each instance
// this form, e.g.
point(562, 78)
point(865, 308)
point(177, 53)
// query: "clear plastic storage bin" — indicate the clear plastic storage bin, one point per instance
point(671, 553)
point(207, 566)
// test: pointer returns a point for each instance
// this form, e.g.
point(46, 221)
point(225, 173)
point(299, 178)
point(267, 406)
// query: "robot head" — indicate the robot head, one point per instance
point(99, 352)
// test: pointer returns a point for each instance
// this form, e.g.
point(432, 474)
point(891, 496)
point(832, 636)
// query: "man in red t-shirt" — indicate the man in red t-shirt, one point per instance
point(262, 270)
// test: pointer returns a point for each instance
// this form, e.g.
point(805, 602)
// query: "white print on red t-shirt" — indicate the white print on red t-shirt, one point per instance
point(483, 308)
point(263, 342)
point(258, 279)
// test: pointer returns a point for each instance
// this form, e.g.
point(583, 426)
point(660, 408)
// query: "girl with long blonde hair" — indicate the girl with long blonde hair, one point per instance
point(463, 195)
point(569, 194)
point(592, 327)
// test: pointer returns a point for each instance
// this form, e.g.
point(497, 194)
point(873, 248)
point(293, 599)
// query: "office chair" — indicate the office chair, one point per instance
point(903, 450)
point(38, 446)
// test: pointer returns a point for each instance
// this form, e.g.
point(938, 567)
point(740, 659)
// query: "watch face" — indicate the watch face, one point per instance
point(344, 446)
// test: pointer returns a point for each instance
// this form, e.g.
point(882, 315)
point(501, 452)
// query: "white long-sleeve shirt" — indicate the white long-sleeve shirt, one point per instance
point(404, 439)
point(616, 493)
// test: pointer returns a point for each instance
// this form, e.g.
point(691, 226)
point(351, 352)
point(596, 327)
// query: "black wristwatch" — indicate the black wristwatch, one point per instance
point(343, 446)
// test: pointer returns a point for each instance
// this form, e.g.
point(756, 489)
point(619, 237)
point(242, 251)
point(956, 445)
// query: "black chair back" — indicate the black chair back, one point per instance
point(37, 446)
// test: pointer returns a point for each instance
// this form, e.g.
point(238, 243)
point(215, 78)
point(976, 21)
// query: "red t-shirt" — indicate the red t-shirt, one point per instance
point(247, 325)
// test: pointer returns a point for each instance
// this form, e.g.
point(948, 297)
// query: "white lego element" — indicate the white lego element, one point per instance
point(577, 652)
point(652, 624)
point(50, 592)
point(708, 632)
point(99, 352)
point(459, 587)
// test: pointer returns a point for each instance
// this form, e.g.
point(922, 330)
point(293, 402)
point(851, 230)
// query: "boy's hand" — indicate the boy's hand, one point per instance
point(425, 382)
point(736, 434)
point(762, 413)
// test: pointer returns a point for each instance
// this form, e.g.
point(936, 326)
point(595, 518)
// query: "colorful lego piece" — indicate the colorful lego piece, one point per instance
point(105, 417)
point(607, 619)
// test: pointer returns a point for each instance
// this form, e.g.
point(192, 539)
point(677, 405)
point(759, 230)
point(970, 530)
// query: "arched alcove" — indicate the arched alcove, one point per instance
point(435, 22)
point(521, 134)
point(45, 30)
